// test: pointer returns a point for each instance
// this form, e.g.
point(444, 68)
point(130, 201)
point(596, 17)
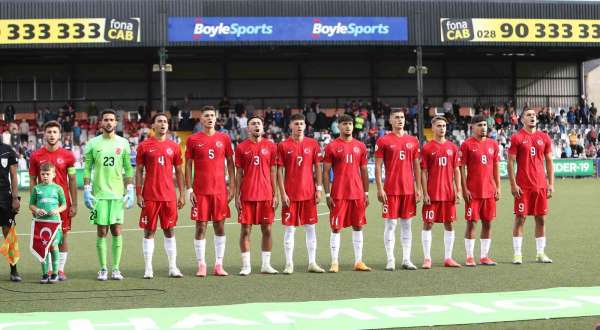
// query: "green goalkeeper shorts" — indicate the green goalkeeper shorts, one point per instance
point(107, 212)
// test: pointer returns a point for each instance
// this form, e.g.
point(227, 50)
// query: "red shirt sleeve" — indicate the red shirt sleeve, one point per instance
point(417, 151)
point(139, 156)
point(177, 159)
point(379, 148)
point(424, 158)
point(548, 146)
point(228, 148)
point(280, 154)
point(274, 157)
point(365, 155)
point(514, 141)
point(328, 157)
point(188, 148)
point(464, 154)
point(317, 154)
point(238, 156)
point(70, 159)
point(34, 168)
point(456, 156)
point(496, 152)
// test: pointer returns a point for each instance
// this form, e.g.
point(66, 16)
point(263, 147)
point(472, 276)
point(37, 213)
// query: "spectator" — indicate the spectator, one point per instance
point(92, 111)
point(24, 130)
point(242, 121)
point(67, 143)
point(142, 112)
point(76, 133)
point(571, 116)
point(224, 107)
point(22, 163)
point(311, 117)
point(9, 113)
point(593, 114)
point(67, 127)
point(174, 111)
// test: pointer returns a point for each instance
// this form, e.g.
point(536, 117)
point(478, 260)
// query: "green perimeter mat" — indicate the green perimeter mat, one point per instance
point(368, 313)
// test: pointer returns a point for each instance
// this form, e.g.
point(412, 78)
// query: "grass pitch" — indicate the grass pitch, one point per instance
point(572, 231)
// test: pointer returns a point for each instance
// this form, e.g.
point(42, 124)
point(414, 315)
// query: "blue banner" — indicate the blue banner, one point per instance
point(315, 29)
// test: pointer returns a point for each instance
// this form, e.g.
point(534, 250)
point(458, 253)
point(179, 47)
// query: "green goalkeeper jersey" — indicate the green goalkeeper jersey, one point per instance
point(107, 161)
point(47, 197)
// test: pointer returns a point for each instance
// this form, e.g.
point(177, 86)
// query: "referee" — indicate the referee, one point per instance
point(9, 199)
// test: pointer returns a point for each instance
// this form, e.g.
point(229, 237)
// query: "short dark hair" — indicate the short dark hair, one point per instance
point(52, 123)
point(158, 114)
point(256, 117)
point(208, 108)
point(108, 112)
point(477, 119)
point(297, 116)
point(46, 166)
point(345, 118)
point(396, 110)
point(438, 118)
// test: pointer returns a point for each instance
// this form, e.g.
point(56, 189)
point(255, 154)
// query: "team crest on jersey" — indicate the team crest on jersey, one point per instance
point(307, 151)
point(59, 161)
point(169, 151)
point(356, 150)
point(540, 142)
point(219, 144)
point(118, 151)
point(449, 152)
point(491, 151)
point(377, 147)
point(4, 162)
point(409, 146)
point(264, 151)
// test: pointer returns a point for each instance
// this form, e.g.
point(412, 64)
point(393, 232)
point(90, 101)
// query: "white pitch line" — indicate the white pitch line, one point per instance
point(140, 229)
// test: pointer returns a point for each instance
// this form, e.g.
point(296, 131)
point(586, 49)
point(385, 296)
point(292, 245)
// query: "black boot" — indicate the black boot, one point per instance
point(14, 274)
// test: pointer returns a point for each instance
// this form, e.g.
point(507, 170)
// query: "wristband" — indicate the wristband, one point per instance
point(319, 188)
point(327, 195)
point(190, 190)
point(366, 193)
point(129, 187)
point(138, 190)
point(87, 187)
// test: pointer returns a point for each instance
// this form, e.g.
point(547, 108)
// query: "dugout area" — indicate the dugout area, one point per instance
point(115, 69)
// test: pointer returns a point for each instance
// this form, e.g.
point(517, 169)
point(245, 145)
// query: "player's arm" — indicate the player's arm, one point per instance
point(62, 203)
point(32, 182)
point(418, 185)
point(318, 181)
point(285, 201)
point(457, 184)
point(497, 178)
point(327, 184)
point(14, 188)
point(381, 196)
point(463, 181)
point(510, 166)
point(128, 179)
point(550, 173)
point(364, 175)
point(274, 185)
point(89, 162)
point(189, 163)
point(72, 175)
point(179, 177)
point(139, 179)
point(231, 174)
point(424, 178)
point(238, 188)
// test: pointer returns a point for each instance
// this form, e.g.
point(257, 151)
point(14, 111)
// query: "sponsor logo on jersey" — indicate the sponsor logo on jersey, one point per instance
point(340, 150)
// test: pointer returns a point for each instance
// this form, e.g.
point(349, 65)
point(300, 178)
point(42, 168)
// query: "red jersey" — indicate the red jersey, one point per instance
point(398, 155)
point(208, 154)
point(62, 160)
point(298, 159)
point(530, 150)
point(158, 159)
point(346, 157)
point(440, 160)
point(256, 160)
point(479, 158)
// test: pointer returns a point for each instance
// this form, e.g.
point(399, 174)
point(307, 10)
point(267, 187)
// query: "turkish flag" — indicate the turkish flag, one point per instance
point(42, 234)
